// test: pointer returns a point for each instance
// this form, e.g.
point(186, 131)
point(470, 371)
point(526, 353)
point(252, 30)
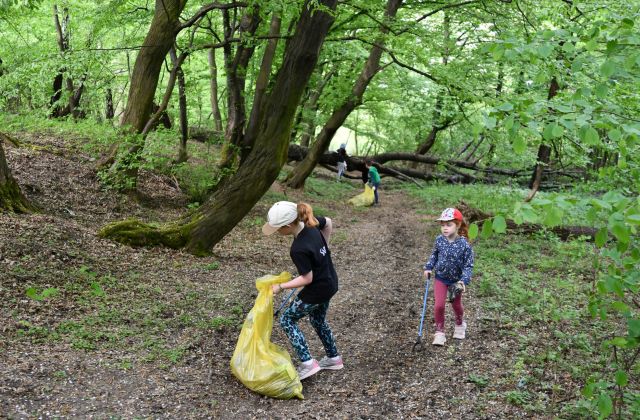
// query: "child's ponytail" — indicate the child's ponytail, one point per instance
point(305, 215)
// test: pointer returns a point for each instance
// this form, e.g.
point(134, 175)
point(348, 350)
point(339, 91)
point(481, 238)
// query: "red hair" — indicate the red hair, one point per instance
point(305, 215)
point(463, 228)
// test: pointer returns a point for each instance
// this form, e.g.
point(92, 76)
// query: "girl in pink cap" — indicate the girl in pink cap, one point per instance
point(452, 263)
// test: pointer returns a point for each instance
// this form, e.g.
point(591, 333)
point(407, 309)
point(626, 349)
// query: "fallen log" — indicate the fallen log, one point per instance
point(329, 160)
point(356, 163)
point(474, 215)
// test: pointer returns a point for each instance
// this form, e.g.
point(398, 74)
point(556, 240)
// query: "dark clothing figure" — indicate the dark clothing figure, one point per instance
point(342, 161)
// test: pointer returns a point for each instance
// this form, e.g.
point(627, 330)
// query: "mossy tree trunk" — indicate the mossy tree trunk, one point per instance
point(210, 223)
point(11, 197)
point(146, 70)
point(298, 176)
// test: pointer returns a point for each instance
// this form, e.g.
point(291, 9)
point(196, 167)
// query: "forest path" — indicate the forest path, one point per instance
point(150, 344)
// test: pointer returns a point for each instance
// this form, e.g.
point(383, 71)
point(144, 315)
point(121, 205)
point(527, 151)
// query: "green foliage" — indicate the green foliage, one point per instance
point(525, 281)
point(45, 294)
point(212, 266)
point(478, 380)
point(197, 181)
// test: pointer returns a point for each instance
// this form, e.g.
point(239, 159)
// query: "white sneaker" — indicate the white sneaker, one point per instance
point(331, 363)
point(307, 369)
point(439, 339)
point(460, 331)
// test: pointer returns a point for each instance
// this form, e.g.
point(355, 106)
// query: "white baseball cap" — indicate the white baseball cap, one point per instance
point(280, 214)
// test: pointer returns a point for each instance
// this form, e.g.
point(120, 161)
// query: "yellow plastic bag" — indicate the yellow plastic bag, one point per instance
point(364, 199)
point(259, 364)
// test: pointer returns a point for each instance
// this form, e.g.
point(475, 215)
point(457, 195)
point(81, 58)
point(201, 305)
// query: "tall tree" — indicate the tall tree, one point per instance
point(228, 205)
point(235, 68)
point(146, 70)
point(257, 110)
point(182, 103)
point(297, 177)
point(213, 95)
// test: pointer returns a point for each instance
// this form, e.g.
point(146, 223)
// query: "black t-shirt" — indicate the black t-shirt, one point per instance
point(310, 252)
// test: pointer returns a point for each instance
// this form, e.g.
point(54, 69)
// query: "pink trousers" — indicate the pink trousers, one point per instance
point(440, 294)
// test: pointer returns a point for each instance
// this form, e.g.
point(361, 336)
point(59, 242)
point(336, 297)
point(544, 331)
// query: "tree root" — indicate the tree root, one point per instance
point(135, 233)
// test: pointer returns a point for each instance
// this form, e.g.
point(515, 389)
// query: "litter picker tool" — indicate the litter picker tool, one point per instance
point(419, 346)
point(284, 302)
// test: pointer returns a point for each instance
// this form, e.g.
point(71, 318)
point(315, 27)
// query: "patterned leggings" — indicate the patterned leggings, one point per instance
point(317, 314)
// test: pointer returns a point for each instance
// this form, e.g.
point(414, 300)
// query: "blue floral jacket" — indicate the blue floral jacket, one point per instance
point(451, 261)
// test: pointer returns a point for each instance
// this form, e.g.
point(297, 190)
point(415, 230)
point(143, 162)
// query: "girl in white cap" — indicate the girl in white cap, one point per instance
point(311, 255)
point(452, 263)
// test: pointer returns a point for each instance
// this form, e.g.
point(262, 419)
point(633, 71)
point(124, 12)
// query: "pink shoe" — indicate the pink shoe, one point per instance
point(331, 363)
point(439, 339)
point(460, 331)
point(307, 369)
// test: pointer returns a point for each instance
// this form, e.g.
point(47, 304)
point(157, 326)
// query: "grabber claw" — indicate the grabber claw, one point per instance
point(418, 345)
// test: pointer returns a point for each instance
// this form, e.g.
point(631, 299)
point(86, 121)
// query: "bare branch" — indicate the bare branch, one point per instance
point(206, 9)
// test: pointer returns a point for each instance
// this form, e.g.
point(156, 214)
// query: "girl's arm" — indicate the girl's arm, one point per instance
point(467, 268)
point(433, 259)
point(327, 229)
point(299, 281)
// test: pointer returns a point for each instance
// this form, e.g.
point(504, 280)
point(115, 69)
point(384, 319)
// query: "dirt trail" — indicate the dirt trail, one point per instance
point(378, 254)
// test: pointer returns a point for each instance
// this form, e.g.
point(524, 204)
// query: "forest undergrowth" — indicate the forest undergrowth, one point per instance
point(92, 327)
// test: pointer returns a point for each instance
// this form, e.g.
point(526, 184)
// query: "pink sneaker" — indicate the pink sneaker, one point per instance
point(307, 369)
point(460, 331)
point(439, 339)
point(331, 363)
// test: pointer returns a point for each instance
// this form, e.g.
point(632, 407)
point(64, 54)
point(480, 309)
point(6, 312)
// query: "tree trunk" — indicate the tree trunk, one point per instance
point(182, 102)
point(58, 111)
point(236, 71)
point(215, 105)
point(125, 171)
point(62, 37)
point(310, 110)
point(74, 100)
point(146, 70)
point(257, 110)
point(544, 151)
point(297, 177)
point(232, 202)
point(11, 198)
point(109, 113)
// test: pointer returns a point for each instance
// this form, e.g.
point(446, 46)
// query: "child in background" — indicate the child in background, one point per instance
point(374, 180)
point(342, 160)
point(452, 264)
